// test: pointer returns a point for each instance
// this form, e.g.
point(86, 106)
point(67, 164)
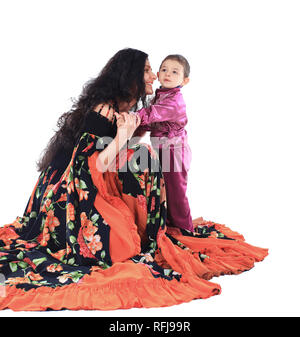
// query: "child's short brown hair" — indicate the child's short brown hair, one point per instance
point(180, 59)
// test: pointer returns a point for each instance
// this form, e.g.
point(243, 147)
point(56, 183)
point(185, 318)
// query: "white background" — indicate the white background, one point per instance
point(242, 105)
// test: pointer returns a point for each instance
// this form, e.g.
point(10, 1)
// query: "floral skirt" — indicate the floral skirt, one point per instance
point(99, 241)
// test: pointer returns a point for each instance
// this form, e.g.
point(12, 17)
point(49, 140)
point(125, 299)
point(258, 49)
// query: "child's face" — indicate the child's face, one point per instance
point(171, 74)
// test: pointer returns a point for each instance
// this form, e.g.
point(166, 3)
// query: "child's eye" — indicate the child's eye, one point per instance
point(174, 72)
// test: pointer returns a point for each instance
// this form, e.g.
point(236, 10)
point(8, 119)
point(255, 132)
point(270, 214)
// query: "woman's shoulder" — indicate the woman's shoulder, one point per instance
point(106, 110)
point(100, 120)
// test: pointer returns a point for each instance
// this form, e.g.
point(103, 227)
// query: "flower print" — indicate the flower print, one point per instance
point(68, 249)
point(27, 260)
point(34, 276)
point(84, 250)
point(51, 221)
point(85, 222)
point(44, 237)
point(95, 244)
point(70, 212)
point(95, 268)
point(52, 268)
point(83, 195)
point(87, 226)
point(141, 179)
point(48, 189)
point(59, 254)
point(46, 204)
point(130, 153)
point(213, 234)
point(70, 187)
point(56, 187)
point(152, 204)
point(26, 243)
point(63, 197)
point(148, 257)
point(148, 188)
point(77, 184)
point(45, 178)
point(64, 278)
point(52, 175)
point(17, 280)
point(17, 223)
point(88, 231)
point(88, 147)
point(142, 202)
point(8, 235)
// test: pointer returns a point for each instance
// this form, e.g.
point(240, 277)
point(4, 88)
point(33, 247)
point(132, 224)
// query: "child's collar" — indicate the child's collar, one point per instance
point(161, 89)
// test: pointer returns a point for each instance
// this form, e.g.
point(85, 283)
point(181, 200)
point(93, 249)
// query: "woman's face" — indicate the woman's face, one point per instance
point(149, 78)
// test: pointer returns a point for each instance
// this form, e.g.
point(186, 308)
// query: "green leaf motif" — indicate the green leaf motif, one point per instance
point(95, 217)
point(72, 239)
point(22, 264)
point(82, 185)
point(71, 261)
point(37, 193)
point(167, 272)
point(70, 225)
point(50, 194)
point(20, 256)
point(39, 261)
point(33, 215)
point(13, 266)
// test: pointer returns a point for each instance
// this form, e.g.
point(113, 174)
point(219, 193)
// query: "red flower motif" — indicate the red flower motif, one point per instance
point(84, 250)
point(142, 202)
point(27, 260)
point(152, 204)
point(51, 221)
point(88, 147)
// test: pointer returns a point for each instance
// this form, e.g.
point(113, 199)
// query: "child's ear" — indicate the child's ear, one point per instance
point(157, 74)
point(185, 81)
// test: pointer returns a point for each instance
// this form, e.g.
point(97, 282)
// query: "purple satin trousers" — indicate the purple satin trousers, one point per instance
point(175, 162)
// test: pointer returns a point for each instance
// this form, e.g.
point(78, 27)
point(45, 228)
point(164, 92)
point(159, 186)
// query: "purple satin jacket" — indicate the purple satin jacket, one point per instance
point(166, 119)
point(166, 116)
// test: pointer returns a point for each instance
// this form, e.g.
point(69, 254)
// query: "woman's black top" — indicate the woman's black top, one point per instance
point(94, 123)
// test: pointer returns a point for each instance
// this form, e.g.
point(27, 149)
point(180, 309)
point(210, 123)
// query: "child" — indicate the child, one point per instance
point(166, 119)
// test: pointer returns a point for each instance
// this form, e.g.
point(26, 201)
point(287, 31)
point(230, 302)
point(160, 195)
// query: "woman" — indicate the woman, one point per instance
point(95, 238)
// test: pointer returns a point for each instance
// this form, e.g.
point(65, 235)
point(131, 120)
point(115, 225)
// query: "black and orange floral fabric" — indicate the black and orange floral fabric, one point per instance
point(93, 240)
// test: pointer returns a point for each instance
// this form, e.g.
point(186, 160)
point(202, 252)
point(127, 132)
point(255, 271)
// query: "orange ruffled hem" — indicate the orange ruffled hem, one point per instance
point(123, 286)
point(127, 284)
point(222, 256)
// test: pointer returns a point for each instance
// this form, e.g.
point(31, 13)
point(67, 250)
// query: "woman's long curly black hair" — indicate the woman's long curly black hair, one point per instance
point(121, 80)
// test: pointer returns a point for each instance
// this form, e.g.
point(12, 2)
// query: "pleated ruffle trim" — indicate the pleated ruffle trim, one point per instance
point(129, 285)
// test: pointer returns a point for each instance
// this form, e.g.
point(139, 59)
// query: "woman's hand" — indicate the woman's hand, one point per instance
point(127, 123)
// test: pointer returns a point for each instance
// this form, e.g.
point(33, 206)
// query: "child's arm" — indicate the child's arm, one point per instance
point(141, 130)
point(170, 109)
